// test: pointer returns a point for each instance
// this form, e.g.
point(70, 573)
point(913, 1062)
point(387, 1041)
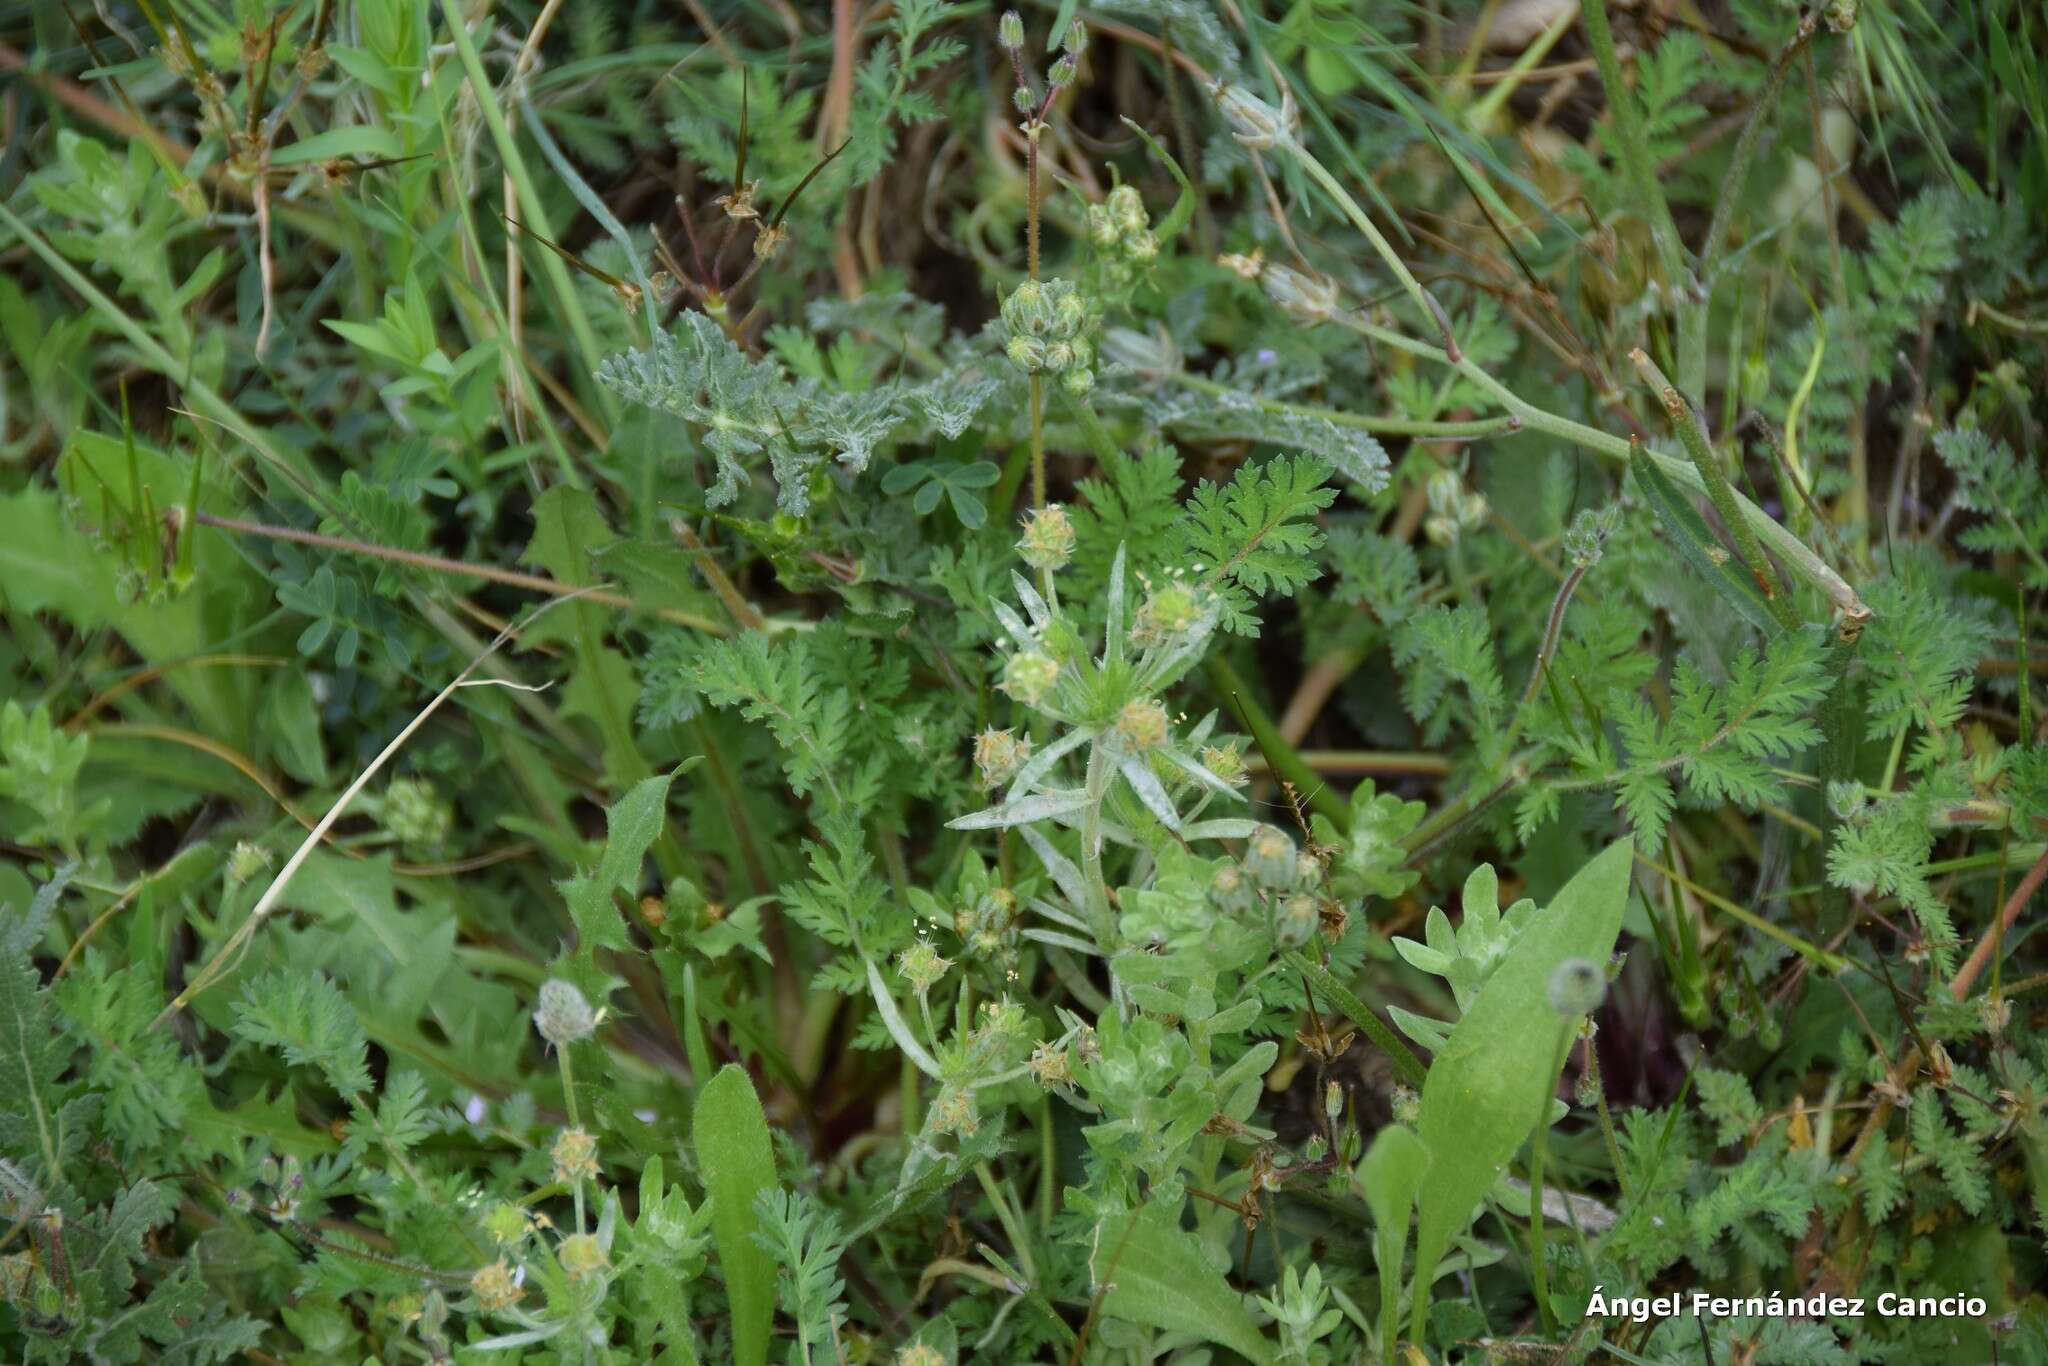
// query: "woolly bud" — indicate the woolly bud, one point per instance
point(1269, 856)
point(1127, 207)
point(1141, 246)
point(1577, 987)
point(564, 1016)
point(1142, 724)
point(1010, 31)
point(1029, 676)
point(1048, 539)
point(1026, 353)
point(1075, 39)
point(1167, 615)
point(1252, 121)
point(496, 1287)
point(581, 1255)
point(1063, 71)
point(1231, 890)
point(1102, 228)
point(507, 1224)
point(1077, 380)
point(1295, 922)
point(1301, 296)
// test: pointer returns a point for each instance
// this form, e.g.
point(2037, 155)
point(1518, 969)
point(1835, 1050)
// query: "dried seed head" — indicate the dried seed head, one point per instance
point(1577, 987)
point(1245, 267)
point(954, 1112)
point(575, 1156)
point(496, 1287)
point(1226, 762)
point(999, 754)
point(564, 1016)
point(1143, 724)
point(1050, 1067)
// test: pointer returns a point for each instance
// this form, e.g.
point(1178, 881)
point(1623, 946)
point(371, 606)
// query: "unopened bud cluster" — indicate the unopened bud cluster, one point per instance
point(415, 815)
point(563, 1016)
point(1275, 876)
point(1048, 323)
point(1122, 235)
point(1453, 509)
point(1173, 613)
point(1304, 297)
point(998, 754)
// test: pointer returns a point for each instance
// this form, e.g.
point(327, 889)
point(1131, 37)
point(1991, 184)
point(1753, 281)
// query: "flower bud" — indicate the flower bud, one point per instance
point(1059, 357)
point(1127, 207)
point(1048, 539)
point(1294, 924)
point(1077, 380)
point(1252, 121)
point(1063, 71)
point(1167, 615)
point(1577, 987)
point(920, 1354)
point(1010, 31)
point(1231, 891)
point(1075, 39)
point(921, 966)
point(1026, 353)
point(1269, 856)
point(1301, 296)
point(955, 1112)
point(1141, 246)
point(564, 1016)
point(1102, 228)
point(581, 1255)
point(1029, 676)
point(507, 1224)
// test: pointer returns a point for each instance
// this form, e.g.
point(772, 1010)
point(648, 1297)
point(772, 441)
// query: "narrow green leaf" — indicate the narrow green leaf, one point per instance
point(1488, 1087)
point(737, 1161)
point(1392, 1173)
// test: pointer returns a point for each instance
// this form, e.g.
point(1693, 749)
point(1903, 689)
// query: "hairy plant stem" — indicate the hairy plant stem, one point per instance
point(1430, 308)
point(1539, 1270)
point(1385, 426)
point(1099, 913)
point(1794, 551)
point(1687, 425)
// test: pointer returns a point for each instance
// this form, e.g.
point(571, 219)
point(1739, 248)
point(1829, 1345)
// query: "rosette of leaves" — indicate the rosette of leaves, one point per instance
point(1465, 956)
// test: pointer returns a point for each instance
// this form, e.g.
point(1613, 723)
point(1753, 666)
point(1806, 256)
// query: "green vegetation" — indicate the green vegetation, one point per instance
point(1201, 681)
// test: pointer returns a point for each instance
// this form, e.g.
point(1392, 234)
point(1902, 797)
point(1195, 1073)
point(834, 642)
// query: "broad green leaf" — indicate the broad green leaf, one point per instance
point(1493, 1079)
point(1158, 1277)
point(737, 1161)
point(632, 825)
point(1392, 1173)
